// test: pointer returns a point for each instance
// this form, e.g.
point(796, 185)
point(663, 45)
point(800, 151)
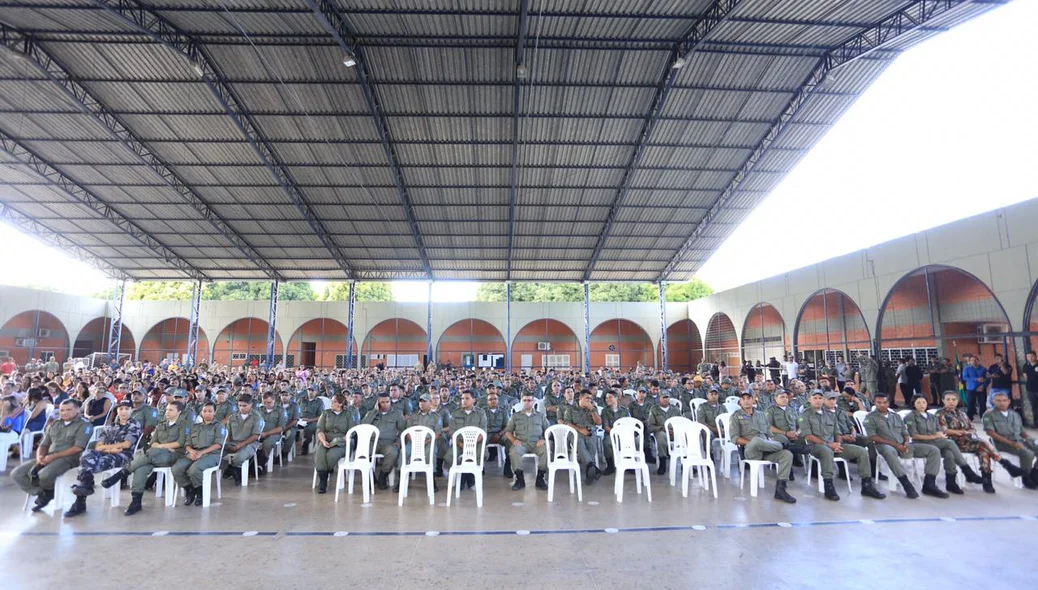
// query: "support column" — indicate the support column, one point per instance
point(428, 331)
point(192, 329)
point(272, 321)
point(35, 334)
point(508, 327)
point(587, 329)
point(349, 325)
point(115, 327)
point(663, 326)
point(935, 311)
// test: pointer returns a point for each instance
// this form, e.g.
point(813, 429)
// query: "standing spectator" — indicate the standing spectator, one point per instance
point(869, 368)
point(773, 369)
point(913, 381)
point(1029, 372)
point(792, 370)
point(843, 372)
point(8, 366)
point(976, 378)
point(1000, 377)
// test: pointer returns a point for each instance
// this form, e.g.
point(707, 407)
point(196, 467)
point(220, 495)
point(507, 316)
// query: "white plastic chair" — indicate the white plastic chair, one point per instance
point(360, 458)
point(470, 462)
point(696, 454)
point(500, 453)
point(727, 446)
point(674, 428)
point(859, 419)
point(207, 476)
point(165, 485)
point(628, 454)
point(837, 461)
point(904, 413)
point(326, 402)
point(28, 437)
point(8, 440)
point(561, 441)
point(731, 406)
point(420, 459)
point(61, 484)
point(757, 467)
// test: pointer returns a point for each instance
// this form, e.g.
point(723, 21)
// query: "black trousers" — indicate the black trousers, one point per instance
point(976, 401)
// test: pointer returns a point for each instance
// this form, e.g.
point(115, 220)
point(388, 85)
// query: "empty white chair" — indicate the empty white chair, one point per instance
point(727, 446)
point(360, 458)
point(165, 485)
point(562, 456)
point(418, 450)
point(208, 474)
point(674, 427)
point(473, 445)
point(695, 453)
point(628, 454)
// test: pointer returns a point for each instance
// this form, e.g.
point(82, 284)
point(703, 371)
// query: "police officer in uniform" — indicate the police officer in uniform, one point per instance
point(552, 400)
point(390, 423)
point(783, 420)
point(467, 415)
point(202, 452)
point(584, 418)
point(332, 427)
point(525, 432)
point(610, 414)
point(167, 445)
point(310, 410)
point(243, 431)
point(639, 410)
point(224, 406)
point(288, 433)
point(751, 431)
point(925, 427)
point(820, 429)
point(59, 451)
point(497, 419)
point(890, 434)
point(658, 416)
point(275, 418)
point(114, 449)
point(1006, 430)
point(425, 416)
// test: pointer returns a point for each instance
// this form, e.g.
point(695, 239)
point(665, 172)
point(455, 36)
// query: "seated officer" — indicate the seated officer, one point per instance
point(707, 416)
point(497, 419)
point(656, 423)
point(243, 431)
point(114, 449)
point(332, 427)
point(610, 414)
point(425, 416)
point(143, 414)
point(274, 420)
point(751, 431)
point(890, 434)
point(167, 445)
point(202, 452)
point(224, 406)
point(288, 434)
point(525, 432)
point(782, 419)
point(59, 451)
point(821, 430)
point(310, 410)
point(1007, 432)
point(467, 415)
point(390, 423)
point(925, 427)
point(583, 417)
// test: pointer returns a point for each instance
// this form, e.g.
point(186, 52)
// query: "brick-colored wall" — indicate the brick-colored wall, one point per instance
point(684, 346)
point(329, 339)
point(247, 336)
point(23, 326)
point(170, 336)
point(469, 336)
point(94, 338)
point(562, 340)
point(622, 337)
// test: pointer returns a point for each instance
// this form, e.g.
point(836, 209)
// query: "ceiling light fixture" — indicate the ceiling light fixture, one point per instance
point(678, 63)
point(197, 67)
point(522, 72)
point(349, 60)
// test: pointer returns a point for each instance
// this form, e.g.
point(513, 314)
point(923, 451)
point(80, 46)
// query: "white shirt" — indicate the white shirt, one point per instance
point(791, 369)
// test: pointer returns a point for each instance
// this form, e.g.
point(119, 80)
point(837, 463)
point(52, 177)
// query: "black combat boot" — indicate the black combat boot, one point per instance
point(228, 472)
point(305, 449)
point(910, 492)
point(971, 476)
point(542, 481)
point(117, 477)
point(930, 487)
point(798, 460)
point(149, 485)
point(261, 461)
point(189, 495)
point(520, 481)
point(1013, 470)
point(438, 470)
point(662, 469)
point(508, 468)
point(85, 485)
point(782, 494)
point(383, 481)
point(1034, 479)
point(868, 489)
point(78, 507)
point(236, 475)
point(135, 503)
point(322, 482)
point(42, 499)
point(830, 490)
point(987, 482)
point(610, 467)
point(951, 485)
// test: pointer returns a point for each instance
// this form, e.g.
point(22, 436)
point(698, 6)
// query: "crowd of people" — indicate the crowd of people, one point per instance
point(149, 416)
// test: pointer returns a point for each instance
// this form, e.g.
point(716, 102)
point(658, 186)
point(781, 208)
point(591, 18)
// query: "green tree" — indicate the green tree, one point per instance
point(599, 292)
point(694, 289)
point(257, 291)
point(340, 291)
point(531, 292)
point(617, 292)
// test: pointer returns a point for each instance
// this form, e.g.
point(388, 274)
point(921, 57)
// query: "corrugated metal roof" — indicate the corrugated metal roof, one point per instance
point(442, 73)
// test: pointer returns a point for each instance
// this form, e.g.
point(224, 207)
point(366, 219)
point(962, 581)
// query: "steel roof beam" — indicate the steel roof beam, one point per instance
point(155, 26)
point(517, 93)
point(335, 24)
point(712, 18)
point(904, 21)
point(87, 198)
point(90, 105)
point(40, 231)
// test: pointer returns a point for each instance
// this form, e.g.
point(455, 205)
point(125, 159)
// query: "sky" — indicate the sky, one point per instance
point(945, 133)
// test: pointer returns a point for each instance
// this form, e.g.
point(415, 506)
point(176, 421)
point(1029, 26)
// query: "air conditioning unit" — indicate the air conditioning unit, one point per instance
point(544, 346)
point(239, 356)
point(991, 333)
point(24, 342)
point(43, 333)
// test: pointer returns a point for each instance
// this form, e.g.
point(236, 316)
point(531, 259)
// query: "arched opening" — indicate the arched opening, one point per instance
point(471, 343)
point(94, 338)
point(830, 325)
point(168, 339)
point(543, 344)
point(620, 344)
point(395, 343)
point(764, 335)
point(935, 314)
point(321, 342)
point(684, 347)
point(34, 334)
point(244, 342)
point(722, 343)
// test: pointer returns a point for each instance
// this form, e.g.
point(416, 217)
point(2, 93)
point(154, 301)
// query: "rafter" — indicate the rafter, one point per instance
point(520, 72)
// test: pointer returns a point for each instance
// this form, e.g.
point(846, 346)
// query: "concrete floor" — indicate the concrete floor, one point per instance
point(733, 542)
